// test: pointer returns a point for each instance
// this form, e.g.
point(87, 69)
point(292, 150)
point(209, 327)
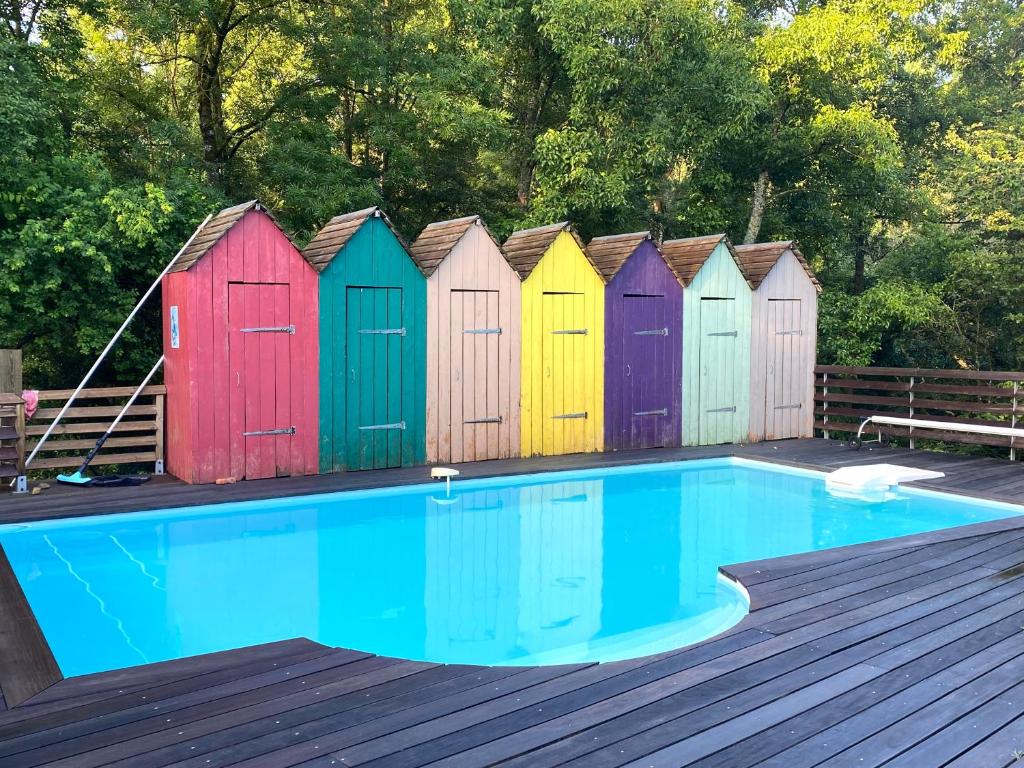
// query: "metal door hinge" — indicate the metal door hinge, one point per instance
point(724, 333)
point(789, 333)
point(787, 407)
point(581, 415)
point(260, 432)
point(730, 409)
point(659, 412)
point(272, 329)
point(483, 331)
point(571, 332)
point(655, 332)
point(490, 420)
point(395, 425)
point(384, 331)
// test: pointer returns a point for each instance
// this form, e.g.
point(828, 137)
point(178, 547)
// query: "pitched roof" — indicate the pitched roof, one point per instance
point(525, 248)
point(336, 233)
point(687, 255)
point(758, 259)
point(437, 240)
point(609, 253)
point(209, 233)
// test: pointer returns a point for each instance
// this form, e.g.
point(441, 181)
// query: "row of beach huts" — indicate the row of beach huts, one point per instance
point(363, 352)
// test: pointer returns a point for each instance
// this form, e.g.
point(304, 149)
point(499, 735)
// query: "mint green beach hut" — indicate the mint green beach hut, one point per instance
point(373, 322)
point(716, 339)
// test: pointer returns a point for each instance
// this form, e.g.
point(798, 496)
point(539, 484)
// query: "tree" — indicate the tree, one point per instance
point(654, 86)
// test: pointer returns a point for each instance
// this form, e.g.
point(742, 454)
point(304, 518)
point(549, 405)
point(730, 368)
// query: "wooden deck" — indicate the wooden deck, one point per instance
point(906, 652)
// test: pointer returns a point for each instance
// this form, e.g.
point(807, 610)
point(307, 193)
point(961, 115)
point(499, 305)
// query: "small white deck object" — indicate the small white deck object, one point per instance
point(445, 473)
point(875, 478)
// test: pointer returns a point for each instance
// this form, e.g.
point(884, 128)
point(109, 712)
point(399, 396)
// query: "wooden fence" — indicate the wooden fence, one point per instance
point(139, 438)
point(845, 396)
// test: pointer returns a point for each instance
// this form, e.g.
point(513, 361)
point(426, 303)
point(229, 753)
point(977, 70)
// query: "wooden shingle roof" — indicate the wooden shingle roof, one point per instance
point(437, 240)
point(758, 259)
point(525, 248)
point(210, 233)
point(336, 233)
point(687, 255)
point(609, 253)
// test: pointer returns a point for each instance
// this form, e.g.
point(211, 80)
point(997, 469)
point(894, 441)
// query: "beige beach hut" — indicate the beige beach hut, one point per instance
point(473, 343)
point(783, 339)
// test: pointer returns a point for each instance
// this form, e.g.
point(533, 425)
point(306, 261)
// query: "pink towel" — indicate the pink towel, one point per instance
point(31, 398)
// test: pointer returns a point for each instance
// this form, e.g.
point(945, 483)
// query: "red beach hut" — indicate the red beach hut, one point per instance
point(242, 362)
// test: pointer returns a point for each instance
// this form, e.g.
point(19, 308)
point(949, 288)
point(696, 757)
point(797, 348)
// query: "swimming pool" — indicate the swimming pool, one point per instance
point(591, 565)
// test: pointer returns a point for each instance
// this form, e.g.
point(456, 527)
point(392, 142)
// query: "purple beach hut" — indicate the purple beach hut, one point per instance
point(643, 343)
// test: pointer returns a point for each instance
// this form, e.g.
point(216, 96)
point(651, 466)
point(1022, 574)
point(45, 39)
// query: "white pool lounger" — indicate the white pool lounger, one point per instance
point(947, 426)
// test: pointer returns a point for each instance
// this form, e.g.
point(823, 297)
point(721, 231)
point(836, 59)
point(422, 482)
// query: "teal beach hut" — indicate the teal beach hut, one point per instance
point(373, 318)
point(716, 339)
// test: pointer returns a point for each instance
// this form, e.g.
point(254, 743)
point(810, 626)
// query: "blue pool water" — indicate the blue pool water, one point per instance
point(554, 568)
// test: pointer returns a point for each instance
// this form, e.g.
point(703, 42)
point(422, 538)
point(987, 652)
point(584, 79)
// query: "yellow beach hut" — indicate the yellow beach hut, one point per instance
point(562, 391)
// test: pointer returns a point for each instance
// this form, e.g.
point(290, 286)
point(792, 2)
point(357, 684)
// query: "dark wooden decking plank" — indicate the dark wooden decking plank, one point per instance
point(817, 735)
point(811, 608)
point(400, 733)
point(628, 736)
point(732, 693)
point(782, 601)
point(687, 750)
point(947, 743)
point(999, 750)
point(265, 742)
point(79, 709)
point(90, 733)
point(27, 665)
point(224, 721)
point(935, 713)
point(1005, 481)
point(176, 669)
point(784, 573)
point(607, 700)
point(771, 677)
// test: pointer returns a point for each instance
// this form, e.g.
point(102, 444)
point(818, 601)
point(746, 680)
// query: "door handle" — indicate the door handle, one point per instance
point(628, 369)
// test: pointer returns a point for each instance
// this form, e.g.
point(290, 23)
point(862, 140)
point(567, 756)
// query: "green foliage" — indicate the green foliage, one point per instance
point(887, 316)
point(887, 136)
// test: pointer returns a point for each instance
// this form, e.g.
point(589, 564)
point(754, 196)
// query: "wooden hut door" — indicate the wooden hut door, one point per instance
point(475, 375)
point(374, 336)
point(784, 387)
point(564, 400)
point(647, 385)
point(719, 344)
point(259, 376)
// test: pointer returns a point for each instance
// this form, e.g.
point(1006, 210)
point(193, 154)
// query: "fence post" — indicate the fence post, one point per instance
point(824, 402)
point(158, 401)
point(1013, 421)
point(913, 380)
point(10, 371)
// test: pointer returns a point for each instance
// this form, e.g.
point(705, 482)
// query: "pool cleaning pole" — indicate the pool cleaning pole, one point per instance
point(78, 478)
point(113, 341)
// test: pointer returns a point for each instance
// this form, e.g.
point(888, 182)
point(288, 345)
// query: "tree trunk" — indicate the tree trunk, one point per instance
point(529, 129)
point(761, 188)
point(210, 102)
point(860, 247)
point(524, 182)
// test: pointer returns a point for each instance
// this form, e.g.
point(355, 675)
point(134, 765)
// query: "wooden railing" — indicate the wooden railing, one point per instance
point(139, 438)
point(845, 396)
